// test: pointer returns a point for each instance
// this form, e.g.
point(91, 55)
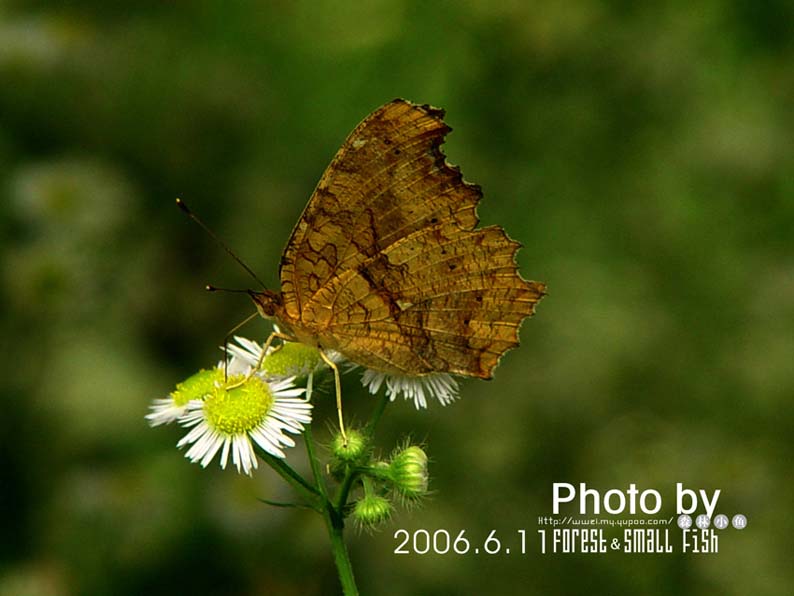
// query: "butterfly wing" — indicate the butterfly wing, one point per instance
point(385, 264)
point(387, 180)
point(441, 299)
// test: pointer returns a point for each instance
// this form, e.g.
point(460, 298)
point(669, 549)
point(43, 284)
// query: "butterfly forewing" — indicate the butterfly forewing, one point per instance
point(388, 179)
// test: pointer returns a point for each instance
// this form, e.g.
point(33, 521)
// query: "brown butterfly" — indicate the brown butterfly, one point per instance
point(386, 265)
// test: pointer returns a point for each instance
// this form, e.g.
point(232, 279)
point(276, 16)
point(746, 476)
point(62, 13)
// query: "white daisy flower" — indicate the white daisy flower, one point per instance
point(241, 360)
point(228, 420)
point(440, 386)
point(166, 410)
point(243, 355)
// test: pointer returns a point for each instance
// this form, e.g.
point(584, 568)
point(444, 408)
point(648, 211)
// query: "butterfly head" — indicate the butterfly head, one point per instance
point(267, 302)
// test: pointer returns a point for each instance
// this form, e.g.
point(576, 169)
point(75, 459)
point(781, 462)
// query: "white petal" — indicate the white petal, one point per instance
point(164, 411)
point(264, 442)
point(224, 454)
point(419, 389)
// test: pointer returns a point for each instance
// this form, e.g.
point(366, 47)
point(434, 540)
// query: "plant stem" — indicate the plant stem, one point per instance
point(376, 414)
point(291, 476)
point(350, 476)
point(334, 522)
point(335, 525)
point(344, 489)
point(333, 513)
point(314, 463)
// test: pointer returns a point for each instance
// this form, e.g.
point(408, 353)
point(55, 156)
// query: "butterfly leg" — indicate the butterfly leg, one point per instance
point(265, 349)
point(259, 362)
point(338, 383)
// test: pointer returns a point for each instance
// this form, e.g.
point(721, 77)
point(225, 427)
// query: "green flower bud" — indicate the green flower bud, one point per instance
point(371, 511)
point(349, 452)
point(409, 472)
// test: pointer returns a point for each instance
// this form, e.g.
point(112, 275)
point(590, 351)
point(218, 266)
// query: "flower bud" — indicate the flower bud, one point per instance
point(409, 472)
point(371, 511)
point(351, 451)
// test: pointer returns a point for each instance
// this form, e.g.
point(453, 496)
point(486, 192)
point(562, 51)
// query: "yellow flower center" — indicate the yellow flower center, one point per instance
point(292, 359)
point(241, 409)
point(196, 387)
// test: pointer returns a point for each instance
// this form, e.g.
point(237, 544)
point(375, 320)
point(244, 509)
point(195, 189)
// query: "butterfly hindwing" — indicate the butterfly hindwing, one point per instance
point(385, 264)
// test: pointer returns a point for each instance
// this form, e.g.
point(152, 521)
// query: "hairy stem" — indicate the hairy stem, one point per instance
point(334, 522)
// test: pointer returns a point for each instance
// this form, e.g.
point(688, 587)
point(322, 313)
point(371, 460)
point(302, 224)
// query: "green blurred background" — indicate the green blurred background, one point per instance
point(643, 156)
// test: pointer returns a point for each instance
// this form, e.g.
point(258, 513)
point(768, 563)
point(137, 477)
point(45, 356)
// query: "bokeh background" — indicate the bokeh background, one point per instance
point(642, 153)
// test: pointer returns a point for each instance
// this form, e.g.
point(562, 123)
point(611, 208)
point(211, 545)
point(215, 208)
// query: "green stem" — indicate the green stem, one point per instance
point(314, 463)
point(352, 474)
point(376, 414)
point(291, 476)
point(344, 488)
point(335, 525)
point(334, 522)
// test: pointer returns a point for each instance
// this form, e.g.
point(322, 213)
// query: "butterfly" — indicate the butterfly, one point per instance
point(386, 265)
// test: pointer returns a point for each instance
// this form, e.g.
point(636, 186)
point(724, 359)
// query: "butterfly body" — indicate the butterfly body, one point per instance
point(386, 265)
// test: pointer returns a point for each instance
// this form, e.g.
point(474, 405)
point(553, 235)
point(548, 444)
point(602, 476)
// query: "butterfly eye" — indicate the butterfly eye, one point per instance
point(267, 302)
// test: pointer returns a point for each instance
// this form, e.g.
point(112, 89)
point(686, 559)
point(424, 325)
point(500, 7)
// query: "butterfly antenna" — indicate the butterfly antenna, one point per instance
point(181, 204)
point(211, 288)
